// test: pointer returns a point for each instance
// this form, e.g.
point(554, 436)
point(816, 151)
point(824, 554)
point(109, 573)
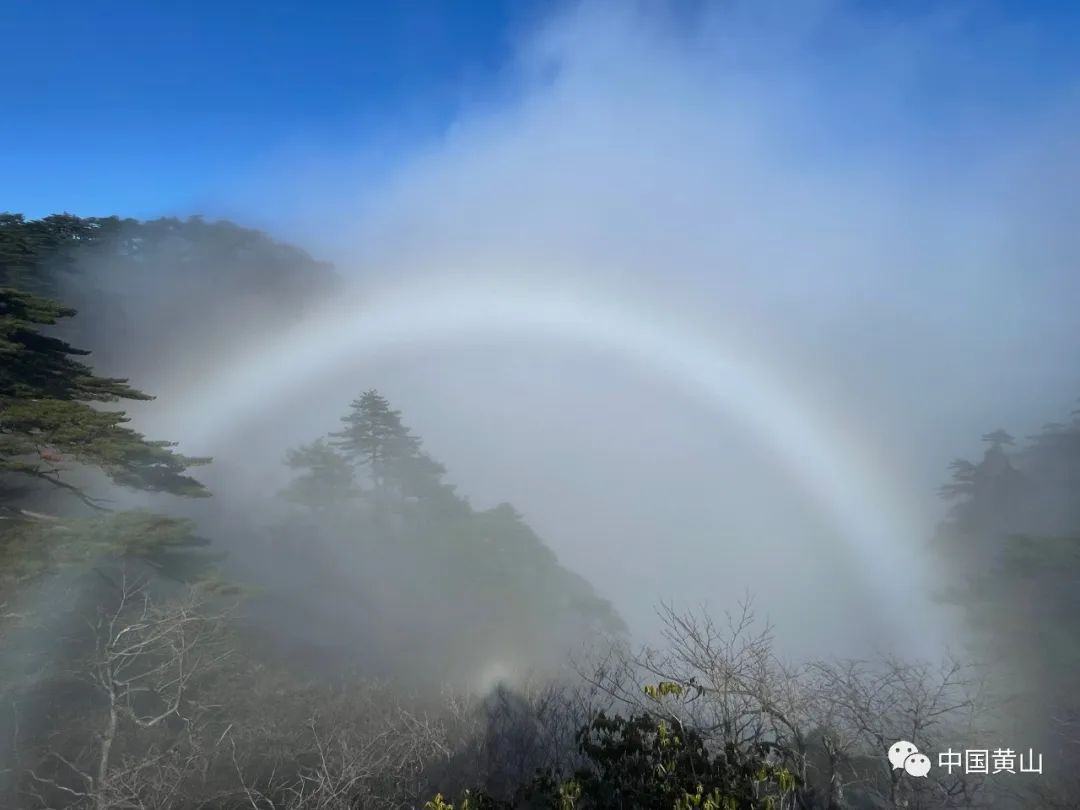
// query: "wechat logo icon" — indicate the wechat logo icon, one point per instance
point(904, 755)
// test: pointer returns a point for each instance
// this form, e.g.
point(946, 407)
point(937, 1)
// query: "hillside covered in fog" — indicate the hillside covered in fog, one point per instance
point(345, 629)
point(365, 550)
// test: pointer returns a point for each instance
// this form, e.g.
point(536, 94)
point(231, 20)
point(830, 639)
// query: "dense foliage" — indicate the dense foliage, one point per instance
point(645, 762)
point(1013, 541)
point(46, 416)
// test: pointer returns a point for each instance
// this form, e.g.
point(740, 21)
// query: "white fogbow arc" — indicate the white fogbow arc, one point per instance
point(821, 453)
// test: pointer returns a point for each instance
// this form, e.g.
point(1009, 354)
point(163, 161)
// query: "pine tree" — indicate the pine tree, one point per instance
point(1013, 543)
point(325, 480)
point(374, 437)
point(997, 439)
point(52, 428)
point(47, 421)
point(986, 495)
point(419, 476)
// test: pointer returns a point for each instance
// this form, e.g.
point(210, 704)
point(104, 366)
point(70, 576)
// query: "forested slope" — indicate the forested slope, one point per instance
point(1012, 542)
point(365, 637)
point(369, 563)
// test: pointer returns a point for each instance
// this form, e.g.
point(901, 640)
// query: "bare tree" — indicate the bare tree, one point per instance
point(141, 739)
point(151, 738)
point(934, 706)
point(364, 746)
point(829, 723)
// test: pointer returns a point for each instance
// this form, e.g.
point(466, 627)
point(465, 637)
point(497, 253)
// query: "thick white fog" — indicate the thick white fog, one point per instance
point(901, 275)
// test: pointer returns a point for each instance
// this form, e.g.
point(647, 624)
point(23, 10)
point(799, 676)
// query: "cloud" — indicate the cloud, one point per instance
point(879, 202)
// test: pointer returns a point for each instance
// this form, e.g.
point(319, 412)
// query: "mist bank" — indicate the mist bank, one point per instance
point(861, 203)
point(350, 550)
point(265, 366)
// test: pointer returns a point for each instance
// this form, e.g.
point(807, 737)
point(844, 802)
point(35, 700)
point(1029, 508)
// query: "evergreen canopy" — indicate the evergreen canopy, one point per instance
point(47, 421)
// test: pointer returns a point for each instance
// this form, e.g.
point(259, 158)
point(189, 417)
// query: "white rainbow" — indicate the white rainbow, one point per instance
point(823, 453)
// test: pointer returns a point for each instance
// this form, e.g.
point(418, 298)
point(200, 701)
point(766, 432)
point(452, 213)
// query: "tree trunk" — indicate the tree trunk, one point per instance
point(107, 738)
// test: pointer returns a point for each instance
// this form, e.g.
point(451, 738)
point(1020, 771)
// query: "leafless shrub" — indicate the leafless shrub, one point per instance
point(141, 737)
point(364, 747)
point(177, 721)
point(831, 723)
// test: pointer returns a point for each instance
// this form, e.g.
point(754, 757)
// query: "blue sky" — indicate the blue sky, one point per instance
point(138, 107)
point(151, 108)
